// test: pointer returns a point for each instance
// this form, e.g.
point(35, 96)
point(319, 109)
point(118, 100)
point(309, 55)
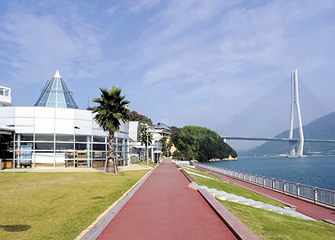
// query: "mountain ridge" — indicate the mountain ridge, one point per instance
point(320, 128)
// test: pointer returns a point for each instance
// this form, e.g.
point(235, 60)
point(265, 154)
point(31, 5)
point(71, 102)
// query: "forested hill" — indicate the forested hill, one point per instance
point(200, 143)
point(321, 128)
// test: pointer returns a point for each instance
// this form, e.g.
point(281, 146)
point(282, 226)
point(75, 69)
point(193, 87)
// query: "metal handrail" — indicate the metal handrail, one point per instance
point(315, 194)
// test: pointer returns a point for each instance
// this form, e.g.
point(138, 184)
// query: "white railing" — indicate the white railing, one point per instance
point(318, 195)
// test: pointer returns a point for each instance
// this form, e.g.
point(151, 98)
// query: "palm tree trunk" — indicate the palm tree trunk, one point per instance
point(111, 160)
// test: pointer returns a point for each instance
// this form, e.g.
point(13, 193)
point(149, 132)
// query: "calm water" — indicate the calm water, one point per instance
point(314, 171)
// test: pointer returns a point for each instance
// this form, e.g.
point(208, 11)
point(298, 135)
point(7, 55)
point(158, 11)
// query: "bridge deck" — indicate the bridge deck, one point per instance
point(277, 139)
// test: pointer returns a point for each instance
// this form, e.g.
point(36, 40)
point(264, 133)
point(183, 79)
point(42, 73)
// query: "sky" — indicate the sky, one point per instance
point(178, 62)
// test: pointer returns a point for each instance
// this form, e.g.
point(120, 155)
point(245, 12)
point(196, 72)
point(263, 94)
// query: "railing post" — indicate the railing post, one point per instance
point(273, 183)
point(315, 190)
point(284, 186)
point(298, 190)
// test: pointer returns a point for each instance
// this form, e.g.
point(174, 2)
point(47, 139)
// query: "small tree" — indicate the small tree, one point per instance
point(146, 139)
point(111, 110)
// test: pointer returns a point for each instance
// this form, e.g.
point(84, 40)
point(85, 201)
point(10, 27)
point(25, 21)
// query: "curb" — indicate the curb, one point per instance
point(234, 224)
point(240, 230)
point(94, 230)
point(276, 199)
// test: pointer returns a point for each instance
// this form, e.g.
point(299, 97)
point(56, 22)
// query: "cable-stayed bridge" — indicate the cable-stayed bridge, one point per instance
point(295, 118)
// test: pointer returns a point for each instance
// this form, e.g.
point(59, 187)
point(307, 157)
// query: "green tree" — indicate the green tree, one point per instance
point(135, 116)
point(111, 110)
point(146, 139)
point(200, 143)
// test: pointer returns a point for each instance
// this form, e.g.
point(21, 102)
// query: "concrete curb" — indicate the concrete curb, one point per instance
point(187, 175)
point(265, 195)
point(235, 225)
point(98, 226)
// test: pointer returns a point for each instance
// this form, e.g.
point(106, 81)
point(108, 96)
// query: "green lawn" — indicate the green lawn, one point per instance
point(57, 205)
point(151, 164)
point(268, 225)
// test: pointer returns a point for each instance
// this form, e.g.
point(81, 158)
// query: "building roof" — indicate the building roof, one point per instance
point(162, 126)
point(56, 94)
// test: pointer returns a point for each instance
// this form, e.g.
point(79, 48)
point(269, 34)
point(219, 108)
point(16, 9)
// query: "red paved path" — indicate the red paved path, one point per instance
point(166, 208)
point(309, 209)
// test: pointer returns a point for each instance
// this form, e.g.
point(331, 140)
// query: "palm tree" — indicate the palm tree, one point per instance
point(112, 108)
point(146, 139)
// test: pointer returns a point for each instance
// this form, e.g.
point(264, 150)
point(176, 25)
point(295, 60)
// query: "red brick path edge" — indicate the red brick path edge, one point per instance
point(307, 208)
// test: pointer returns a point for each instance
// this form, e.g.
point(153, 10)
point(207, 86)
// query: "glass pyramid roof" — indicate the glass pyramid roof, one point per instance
point(56, 94)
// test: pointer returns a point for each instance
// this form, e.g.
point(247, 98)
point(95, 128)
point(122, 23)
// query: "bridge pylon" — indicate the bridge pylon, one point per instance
point(295, 106)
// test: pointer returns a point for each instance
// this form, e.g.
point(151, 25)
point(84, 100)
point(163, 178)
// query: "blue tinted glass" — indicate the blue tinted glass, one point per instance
point(61, 105)
point(52, 97)
point(59, 85)
point(45, 97)
point(64, 86)
point(51, 104)
point(54, 85)
point(49, 85)
point(67, 98)
point(60, 97)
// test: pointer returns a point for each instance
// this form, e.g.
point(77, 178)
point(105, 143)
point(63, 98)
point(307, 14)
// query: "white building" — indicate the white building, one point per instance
point(5, 96)
point(55, 133)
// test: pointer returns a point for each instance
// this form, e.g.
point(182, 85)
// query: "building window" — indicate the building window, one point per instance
point(64, 138)
point(44, 137)
point(44, 146)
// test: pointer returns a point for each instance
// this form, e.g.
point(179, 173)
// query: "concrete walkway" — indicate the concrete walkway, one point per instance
point(166, 208)
point(309, 209)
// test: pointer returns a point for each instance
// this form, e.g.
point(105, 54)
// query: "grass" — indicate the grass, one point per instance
point(219, 184)
point(57, 205)
point(268, 225)
point(265, 224)
point(151, 164)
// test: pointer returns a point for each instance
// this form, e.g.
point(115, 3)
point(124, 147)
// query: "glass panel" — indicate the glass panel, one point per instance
point(46, 96)
point(25, 137)
point(98, 139)
point(64, 86)
point(99, 154)
point(52, 97)
point(44, 146)
point(44, 137)
point(51, 104)
point(98, 163)
point(61, 105)
point(81, 146)
point(59, 85)
point(64, 146)
point(67, 98)
point(81, 138)
point(54, 85)
point(64, 138)
point(99, 147)
point(60, 97)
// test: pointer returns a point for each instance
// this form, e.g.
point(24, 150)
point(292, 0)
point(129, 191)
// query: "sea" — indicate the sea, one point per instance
point(316, 171)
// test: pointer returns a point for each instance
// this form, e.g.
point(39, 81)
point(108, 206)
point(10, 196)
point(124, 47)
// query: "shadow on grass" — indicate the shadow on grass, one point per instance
point(15, 228)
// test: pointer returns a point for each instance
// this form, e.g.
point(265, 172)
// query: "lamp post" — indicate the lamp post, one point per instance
point(147, 146)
